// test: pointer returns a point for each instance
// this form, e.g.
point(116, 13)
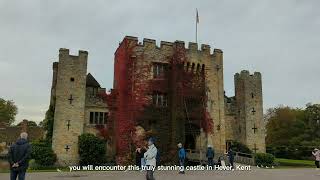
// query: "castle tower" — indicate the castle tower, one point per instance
point(248, 93)
point(216, 101)
point(70, 91)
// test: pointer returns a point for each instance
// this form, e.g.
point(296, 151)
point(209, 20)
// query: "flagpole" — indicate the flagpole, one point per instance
point(197, 26)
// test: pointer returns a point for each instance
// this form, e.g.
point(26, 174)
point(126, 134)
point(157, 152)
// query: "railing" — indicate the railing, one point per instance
point(242, 158)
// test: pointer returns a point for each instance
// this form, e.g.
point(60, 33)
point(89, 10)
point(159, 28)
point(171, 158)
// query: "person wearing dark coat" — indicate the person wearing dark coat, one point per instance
point(231, 157)
point(18, 157)
point(139, 156)
point(210, 155)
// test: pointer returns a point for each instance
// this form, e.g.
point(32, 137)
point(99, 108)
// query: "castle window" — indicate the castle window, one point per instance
point(72, 79)
point(93, 91)
point(98, 117)
point(160, 99)
point(101, 118)
point(252, 95)
point(159, 70)
point(91, 117)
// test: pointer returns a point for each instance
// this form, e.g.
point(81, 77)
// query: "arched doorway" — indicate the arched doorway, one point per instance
point(191, 133)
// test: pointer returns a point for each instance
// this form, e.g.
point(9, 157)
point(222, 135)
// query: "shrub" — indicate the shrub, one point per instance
point(43, 154)
point(239, 147)
point(264, 159)
point(92, 150)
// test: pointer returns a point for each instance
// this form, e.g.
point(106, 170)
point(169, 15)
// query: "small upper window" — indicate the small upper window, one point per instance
point(159, 70)
point(72, 79)
point(160, 99)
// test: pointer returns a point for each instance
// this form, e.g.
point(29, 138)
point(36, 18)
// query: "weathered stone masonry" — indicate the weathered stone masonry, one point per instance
point(238, 118)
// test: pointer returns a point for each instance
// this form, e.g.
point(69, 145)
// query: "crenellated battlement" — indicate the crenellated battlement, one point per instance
point(245, 74)
point(66, 52)
point(55, 65)
point(192, 46)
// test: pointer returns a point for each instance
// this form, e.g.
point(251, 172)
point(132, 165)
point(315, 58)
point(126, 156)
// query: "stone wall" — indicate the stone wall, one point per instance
point(149, 52)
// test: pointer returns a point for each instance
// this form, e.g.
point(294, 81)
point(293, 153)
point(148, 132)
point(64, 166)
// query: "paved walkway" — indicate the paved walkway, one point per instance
point(255, 174)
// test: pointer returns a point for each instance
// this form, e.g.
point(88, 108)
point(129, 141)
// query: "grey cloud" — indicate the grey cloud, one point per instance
point(278, 38)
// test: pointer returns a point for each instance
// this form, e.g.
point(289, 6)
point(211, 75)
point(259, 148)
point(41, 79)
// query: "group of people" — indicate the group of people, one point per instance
point(19, 154)
point(149, 157)
point(211, 154)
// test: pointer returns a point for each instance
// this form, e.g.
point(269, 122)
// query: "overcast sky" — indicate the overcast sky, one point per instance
point(280, 39)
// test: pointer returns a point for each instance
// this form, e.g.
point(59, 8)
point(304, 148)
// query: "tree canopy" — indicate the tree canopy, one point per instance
point(292, 130)
point(29, 123)
point(8, 111)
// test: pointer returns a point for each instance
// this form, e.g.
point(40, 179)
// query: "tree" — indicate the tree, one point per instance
point(293, 133)
point(283, 123)
point(312, 116)
point(29, 124)
point(8, 111)
point(47, 123)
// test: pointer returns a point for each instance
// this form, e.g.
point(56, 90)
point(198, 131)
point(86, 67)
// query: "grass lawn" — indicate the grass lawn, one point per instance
point(294, 162)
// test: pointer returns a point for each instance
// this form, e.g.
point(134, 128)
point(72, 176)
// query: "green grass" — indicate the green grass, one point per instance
point(294, 162)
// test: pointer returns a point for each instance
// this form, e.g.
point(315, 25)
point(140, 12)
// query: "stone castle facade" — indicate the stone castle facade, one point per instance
point(78, 109)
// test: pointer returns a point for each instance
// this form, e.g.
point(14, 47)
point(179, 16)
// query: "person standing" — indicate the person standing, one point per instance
point(18, 157)
point(182, 158)
point(139, 155)
point(231, 157)
point(150, 157)
point(210, 155)
point(316, 154)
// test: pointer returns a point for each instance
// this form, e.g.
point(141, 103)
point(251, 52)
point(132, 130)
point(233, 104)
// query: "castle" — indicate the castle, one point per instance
point(170, 91)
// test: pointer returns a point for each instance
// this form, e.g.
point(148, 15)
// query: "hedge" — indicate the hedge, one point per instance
point(92, 150)
point(264, 159)
point(43, 154)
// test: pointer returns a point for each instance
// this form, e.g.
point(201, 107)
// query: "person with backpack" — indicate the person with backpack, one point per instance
point(182, 158)
point(18, 157)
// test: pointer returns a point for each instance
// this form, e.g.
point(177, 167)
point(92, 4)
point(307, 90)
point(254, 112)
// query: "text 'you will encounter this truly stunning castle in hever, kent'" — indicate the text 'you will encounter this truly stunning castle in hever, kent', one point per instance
point(172, 92)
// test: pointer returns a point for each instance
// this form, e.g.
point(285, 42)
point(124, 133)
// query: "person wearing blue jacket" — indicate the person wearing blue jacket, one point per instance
point(182, 158)
point(18, 156)
point(210, 155)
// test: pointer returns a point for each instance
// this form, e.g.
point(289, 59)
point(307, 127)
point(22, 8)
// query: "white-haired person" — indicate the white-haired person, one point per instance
point(316, 154)
point(150, 157)
point(18, 157)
